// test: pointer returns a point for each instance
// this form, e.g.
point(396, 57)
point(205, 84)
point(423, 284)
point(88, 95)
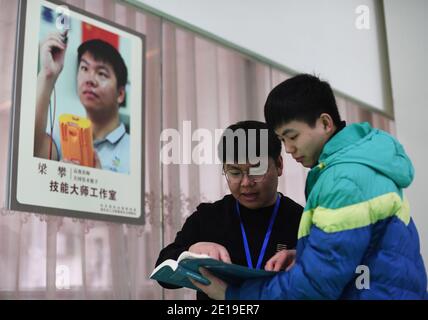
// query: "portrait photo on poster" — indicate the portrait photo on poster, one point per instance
point(77, 131)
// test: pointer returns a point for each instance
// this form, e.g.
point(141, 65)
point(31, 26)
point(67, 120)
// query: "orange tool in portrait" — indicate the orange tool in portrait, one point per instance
point(76, 140)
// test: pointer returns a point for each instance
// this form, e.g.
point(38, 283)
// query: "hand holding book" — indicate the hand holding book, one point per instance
point(282, 260)
point(188, 265)
point(216, 289)
point(212, 249)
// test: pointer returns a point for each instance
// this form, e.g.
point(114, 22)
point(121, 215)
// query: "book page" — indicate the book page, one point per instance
point(191, 255)
point(166, 264)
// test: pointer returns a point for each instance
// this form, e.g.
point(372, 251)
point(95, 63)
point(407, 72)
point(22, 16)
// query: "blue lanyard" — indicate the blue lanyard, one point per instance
point(267, 236)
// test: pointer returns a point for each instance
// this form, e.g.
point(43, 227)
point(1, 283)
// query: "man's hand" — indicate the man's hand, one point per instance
point(214, 250)
point(283, 259)
point(216, 290)
point(52, 54)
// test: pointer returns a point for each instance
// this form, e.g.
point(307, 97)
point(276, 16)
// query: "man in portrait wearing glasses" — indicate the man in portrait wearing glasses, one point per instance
point(255, 222)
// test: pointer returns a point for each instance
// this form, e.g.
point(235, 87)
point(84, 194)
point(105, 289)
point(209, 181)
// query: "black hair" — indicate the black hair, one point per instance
point(228, 155)
point(105, 52)
point(303, 98)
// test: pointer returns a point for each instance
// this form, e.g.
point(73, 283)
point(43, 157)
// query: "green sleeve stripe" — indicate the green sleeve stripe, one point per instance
point(355, 216)
point(305, 224)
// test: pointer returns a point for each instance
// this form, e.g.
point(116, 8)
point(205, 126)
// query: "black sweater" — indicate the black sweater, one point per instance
point(218, 222)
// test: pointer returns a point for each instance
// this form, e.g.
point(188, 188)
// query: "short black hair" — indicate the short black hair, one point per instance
point(105, 52)
point(274, 144)
point(303, 98)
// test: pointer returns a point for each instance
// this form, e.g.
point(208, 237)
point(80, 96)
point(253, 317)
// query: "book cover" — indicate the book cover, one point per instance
point(187, 265)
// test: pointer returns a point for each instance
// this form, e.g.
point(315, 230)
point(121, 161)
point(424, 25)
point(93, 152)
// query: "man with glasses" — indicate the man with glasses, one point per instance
point(252, 225)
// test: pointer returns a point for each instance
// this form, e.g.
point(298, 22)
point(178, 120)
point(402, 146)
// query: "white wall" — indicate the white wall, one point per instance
point(407, 34)
point(314, 36)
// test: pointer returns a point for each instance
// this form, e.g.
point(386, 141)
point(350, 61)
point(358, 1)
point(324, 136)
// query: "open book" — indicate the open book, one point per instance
point(188, 263)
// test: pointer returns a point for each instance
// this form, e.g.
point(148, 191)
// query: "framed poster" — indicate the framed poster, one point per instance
point(77, 146)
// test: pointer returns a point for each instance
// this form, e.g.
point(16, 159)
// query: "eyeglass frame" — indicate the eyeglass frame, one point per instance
point(246, 172)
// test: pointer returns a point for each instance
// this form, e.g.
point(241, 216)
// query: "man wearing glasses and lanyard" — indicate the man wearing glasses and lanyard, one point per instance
point(251, 226)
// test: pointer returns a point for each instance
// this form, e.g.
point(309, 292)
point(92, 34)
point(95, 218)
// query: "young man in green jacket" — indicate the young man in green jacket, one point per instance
point(356, 238)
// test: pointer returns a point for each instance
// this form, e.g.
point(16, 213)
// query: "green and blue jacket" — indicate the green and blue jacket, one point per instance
point(356, 237)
